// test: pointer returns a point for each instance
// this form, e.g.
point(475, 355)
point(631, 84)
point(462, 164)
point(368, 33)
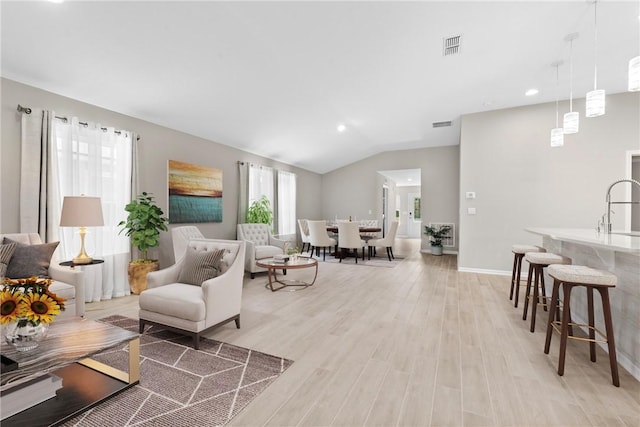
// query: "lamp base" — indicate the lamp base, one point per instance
point(82, 260)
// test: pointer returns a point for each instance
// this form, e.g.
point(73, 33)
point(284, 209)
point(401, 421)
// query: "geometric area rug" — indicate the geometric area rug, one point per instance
point(180, 386)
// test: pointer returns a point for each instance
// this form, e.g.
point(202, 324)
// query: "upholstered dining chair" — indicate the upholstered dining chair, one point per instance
point(386, 242)
point(304, 234)
point(261, 244)
point(181, 236)
point(369, 234)
point(349, 238)
point(319, 238)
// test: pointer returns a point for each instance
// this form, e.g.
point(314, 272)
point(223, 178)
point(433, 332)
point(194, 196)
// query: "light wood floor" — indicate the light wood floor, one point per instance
point(416, 345)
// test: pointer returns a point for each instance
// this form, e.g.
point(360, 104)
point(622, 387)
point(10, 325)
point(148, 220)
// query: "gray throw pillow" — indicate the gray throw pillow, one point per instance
point(6, 252)
point(199, 266)
point(30, 260)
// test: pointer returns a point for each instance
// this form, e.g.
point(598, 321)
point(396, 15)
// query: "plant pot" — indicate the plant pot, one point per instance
point(436, 250)
point(138, 275)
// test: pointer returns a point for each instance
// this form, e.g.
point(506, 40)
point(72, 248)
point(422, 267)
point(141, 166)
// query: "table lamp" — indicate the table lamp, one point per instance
point(81, 211)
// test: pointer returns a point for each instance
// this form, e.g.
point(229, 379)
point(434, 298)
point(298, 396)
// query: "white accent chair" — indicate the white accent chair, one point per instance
point(181, 237)
point(191, 309)
point(260, 244)
point(349, 238)
point(319, 238)
point(304, 234)
point(66, 283)
point(386, 242)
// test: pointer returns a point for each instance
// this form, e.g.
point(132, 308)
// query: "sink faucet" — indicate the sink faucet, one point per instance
point(607, 222)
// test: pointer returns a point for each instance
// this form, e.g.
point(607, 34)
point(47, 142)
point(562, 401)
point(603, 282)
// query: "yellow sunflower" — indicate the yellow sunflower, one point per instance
point(11, 306)
point(41, 308)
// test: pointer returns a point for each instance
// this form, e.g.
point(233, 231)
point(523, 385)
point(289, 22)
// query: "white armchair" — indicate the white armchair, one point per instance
point(260, 244)
point(172, 304)
point(67, 282)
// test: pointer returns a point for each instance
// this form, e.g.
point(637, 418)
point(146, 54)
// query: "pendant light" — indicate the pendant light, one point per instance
point(571, 122)
point(634, 74)
point(557, 133)
point(595, 98)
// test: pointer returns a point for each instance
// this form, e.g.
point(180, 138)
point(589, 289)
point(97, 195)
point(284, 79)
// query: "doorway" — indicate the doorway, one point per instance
point(402, 201)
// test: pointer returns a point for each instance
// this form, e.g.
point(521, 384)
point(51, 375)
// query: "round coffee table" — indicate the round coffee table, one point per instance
point(272, 266)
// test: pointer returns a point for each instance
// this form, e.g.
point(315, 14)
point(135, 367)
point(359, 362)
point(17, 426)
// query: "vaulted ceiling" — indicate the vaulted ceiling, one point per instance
point(277, 78)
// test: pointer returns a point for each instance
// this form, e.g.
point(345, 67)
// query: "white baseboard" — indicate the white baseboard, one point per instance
point(485, 271)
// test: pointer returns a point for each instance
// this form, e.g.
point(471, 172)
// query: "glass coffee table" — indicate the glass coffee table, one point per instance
point(273, 266)
point(66, 353)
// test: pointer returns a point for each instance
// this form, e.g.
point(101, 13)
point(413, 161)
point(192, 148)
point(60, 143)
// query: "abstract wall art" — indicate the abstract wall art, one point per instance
point(195, 193)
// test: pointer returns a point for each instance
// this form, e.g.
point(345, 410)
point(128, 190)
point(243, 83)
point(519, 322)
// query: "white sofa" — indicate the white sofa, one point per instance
point(67, 283)
point(191, 309)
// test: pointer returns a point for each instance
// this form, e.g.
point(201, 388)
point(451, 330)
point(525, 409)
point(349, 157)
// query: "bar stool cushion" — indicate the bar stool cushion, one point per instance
point(582, 274)
point(546, 258)
point(523, 249)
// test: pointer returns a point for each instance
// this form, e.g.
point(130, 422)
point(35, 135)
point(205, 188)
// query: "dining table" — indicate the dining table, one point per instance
point(363, 229)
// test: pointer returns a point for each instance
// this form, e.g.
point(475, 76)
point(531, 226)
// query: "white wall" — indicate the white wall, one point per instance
point(520, 181)
point(157, 145)
point(356, 188)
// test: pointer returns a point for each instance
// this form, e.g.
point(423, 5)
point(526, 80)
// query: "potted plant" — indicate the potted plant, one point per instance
point(260, 212)
point(436, 234)
point(143, 225)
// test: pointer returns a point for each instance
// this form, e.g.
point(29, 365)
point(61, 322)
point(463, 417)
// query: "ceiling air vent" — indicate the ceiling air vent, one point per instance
point(451, 45)
point(441, 124)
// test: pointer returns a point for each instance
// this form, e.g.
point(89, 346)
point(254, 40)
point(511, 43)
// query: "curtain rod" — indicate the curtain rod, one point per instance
point(27, 110)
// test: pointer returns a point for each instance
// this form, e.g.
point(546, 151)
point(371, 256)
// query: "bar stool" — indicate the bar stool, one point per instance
point(518, 255)
point(537, 262)
point(570, 276)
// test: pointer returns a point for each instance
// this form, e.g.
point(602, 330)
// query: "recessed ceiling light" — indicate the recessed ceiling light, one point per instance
point(342, 127)
point(56, 1)
point(531, 92)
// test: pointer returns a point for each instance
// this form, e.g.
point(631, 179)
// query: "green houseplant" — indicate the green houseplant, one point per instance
point(143, 226)
point(260, 212)
point(436, 234)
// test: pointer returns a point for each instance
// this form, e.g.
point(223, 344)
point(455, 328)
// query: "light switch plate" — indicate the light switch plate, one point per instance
point(471, 211)
point(471, 195)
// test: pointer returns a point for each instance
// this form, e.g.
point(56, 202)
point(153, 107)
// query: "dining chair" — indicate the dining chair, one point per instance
point(349, 238)
point(319, 238)
point(369, 223)
point(386, 242)
point(304, 233)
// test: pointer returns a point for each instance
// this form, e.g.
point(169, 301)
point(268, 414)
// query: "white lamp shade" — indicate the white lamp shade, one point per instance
point(81, 211)
point(571, 122)
point(595, 103)
point(634, 74)
point(557, 137)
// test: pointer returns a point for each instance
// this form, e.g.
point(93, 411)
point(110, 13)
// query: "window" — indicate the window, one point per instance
point(261, 183)
point(286, 202)
point(95, 161)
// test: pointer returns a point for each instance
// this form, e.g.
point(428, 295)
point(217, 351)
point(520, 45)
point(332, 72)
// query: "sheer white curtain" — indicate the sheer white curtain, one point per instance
point(286, 203)
point(260, 183)
point(94, 161)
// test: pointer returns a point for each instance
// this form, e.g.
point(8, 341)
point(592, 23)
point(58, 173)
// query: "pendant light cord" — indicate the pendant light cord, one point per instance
point(595, 45)
point(571, 75)
point(557, 88)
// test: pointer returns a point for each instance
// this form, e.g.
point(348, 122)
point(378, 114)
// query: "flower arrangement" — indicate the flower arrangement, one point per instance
point(28, 302)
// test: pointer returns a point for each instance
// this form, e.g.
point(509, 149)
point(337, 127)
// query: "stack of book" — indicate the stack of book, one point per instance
point(280, 258)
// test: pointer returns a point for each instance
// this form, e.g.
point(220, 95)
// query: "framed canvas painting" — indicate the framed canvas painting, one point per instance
point(195, 193)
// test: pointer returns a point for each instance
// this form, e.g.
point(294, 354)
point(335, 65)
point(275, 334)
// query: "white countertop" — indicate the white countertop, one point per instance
point(624, 242)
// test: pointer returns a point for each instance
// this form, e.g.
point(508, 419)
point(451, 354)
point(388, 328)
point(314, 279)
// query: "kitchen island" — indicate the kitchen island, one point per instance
point(618, 253)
